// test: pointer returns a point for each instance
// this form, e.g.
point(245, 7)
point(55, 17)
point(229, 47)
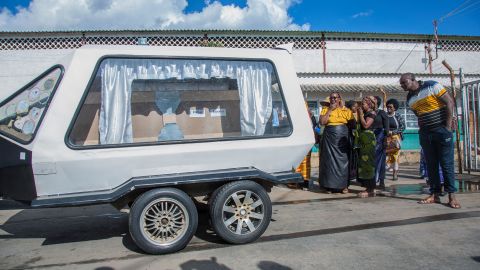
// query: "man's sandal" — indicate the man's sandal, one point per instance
point(453, 203)
point(430, 199)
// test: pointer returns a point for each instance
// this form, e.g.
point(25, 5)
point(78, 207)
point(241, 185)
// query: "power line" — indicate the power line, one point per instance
point(461, 8)
point(455, 10)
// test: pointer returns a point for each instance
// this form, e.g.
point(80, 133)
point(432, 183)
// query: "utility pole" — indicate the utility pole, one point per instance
point(454, 94)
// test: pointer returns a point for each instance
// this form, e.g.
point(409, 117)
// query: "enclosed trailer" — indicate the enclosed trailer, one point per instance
point(150, 128)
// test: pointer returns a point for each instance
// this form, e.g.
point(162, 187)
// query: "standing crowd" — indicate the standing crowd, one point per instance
point(361, 141)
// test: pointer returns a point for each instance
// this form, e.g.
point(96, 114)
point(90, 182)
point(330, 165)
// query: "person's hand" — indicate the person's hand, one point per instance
point(454, 124)
point(383, 91)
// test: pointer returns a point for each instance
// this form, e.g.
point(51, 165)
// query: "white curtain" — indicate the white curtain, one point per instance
point(253, 79)
point(255, 99)
point(115, 123)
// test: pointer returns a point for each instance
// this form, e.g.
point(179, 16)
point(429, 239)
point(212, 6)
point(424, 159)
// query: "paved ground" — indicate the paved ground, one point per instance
point(309, 230)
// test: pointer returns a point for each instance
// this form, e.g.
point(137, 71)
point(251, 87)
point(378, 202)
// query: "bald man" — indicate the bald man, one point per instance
point(434, 107)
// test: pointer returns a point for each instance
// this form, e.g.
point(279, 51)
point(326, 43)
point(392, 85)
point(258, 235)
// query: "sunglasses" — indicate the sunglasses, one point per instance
point(335, 97)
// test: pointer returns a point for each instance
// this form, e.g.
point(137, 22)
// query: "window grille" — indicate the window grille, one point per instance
point(72, 41)
point(410, 118)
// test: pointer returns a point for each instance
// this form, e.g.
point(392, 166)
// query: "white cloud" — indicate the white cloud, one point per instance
point(148, 14)
point(362, 14)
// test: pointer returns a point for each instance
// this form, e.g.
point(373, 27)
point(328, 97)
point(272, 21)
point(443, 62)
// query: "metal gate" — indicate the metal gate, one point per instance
point(470, 122)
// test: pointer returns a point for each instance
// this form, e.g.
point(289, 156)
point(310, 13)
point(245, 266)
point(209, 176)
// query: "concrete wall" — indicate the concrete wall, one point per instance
point(382, 57)
point(352, 59)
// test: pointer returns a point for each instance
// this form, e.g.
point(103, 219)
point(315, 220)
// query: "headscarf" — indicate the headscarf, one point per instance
point(371, 101)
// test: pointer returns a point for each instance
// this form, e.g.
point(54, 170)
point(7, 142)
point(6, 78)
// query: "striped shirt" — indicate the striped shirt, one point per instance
point(430, 110)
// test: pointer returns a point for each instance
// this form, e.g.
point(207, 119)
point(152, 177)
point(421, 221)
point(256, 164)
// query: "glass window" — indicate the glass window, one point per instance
point(410, 118)
point(313, 107)
point(172, 100)
point(21, 114)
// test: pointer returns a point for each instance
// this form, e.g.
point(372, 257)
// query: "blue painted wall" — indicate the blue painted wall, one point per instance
point(412, 142)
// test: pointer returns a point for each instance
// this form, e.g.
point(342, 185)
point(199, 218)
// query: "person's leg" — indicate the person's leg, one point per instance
point(444, 142)
point(380, 158)
point(429, 153)
point(396, 157)
point(389, 162)
point(395, 174)
point(422, 168)
point(369, 188)
point(432, 159)
point(382, 172)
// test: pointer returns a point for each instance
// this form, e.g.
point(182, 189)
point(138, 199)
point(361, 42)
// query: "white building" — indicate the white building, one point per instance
point(355, 64)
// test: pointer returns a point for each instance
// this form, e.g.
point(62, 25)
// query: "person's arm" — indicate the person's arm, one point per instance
point(385, 122)
point(401, 123)
point(365, 123)
point(450, 104)
point(384, 98)
point(324, 118)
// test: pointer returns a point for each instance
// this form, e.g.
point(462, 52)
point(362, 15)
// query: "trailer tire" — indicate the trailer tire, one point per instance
point(163, 220)
point(240, 211)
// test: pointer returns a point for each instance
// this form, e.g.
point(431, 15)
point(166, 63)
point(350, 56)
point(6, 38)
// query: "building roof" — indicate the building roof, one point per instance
point(328, 34)
point(353, 88)
point(375, 74)
point(21, 40)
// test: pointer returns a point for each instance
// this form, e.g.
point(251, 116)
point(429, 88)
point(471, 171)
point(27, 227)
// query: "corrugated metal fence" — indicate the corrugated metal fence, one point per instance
point(471, 120)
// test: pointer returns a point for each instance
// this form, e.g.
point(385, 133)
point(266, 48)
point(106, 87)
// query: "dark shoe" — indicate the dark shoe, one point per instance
point(395, 175)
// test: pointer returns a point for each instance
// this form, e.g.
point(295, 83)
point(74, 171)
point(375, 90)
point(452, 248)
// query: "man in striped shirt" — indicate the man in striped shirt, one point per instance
point(434, 107)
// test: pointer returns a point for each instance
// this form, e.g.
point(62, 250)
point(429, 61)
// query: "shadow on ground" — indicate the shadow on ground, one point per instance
point(77, 224)
point(67, 225)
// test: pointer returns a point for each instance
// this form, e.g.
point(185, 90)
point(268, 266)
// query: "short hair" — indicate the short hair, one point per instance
point(379, 101)
point(409, 75)
point(394, 102)
point(350, 103)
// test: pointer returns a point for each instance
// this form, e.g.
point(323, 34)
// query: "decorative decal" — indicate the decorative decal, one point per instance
point(48, 84)
point(34, 94)
point(35, 113)
point(22, 107)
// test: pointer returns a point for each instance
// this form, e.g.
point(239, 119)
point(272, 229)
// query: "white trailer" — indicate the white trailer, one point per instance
point(152, 127)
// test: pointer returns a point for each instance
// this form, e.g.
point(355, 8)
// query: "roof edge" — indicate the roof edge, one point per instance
point(316, 33)
point(380, 74)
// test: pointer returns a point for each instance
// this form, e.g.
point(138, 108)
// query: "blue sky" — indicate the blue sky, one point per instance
point(407, 16)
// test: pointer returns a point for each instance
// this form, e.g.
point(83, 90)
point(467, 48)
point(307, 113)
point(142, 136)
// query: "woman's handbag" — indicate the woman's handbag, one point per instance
point(393, 143)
